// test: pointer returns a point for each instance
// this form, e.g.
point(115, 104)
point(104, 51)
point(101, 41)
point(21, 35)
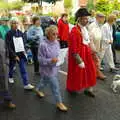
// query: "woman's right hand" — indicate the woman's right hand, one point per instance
point(82, 65)
point(54, 60)
point(17, 58)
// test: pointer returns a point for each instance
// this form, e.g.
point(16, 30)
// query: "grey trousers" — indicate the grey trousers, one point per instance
point(4, 92)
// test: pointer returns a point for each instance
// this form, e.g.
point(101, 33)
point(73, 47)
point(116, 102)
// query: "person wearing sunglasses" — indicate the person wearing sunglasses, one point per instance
point(48, 53)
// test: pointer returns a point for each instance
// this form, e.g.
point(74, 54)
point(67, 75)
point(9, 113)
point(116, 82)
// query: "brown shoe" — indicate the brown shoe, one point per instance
point(100, 75)
point(62, 107)
point(11, 105)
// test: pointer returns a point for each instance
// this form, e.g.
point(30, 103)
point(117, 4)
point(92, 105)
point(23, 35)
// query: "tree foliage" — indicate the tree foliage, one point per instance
point(11, 6)
point(67, 4)
point(107, 6)
point(90, 5)
point(116, 5)
point(103, 6)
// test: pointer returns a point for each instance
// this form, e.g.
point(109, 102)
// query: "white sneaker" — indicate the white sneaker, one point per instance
point(14, 68)
point(28, 87)
point(11, 80)
point(101, 69)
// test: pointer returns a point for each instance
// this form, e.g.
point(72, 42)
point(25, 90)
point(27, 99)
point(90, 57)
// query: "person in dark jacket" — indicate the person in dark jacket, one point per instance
point(113, 45)
point(15, 46)
point(116, 13)
point(4, 91)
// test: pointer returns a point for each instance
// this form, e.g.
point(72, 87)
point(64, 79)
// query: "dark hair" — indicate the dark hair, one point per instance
point(64, 15)
point(35, 18)
point(81, 12)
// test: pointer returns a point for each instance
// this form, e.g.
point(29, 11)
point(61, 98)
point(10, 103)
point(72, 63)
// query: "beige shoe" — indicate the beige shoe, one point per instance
point(40, 94)
point(62, 107)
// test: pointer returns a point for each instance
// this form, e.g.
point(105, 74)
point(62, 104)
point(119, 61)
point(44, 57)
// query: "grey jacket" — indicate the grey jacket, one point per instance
point(3, 67)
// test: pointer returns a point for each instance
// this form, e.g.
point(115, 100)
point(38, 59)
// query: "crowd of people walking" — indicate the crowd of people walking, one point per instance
point(89, 41)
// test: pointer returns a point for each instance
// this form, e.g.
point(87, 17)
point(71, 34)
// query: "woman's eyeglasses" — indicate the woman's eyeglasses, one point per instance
point(54, 34)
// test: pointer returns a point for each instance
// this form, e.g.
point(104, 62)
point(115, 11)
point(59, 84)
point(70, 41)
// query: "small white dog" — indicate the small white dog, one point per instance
point(116, 83)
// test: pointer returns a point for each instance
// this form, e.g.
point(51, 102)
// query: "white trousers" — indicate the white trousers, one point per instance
point(107, 53)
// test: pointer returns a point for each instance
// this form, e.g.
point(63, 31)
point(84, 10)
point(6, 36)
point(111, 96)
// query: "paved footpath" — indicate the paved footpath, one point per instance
point(106, 105)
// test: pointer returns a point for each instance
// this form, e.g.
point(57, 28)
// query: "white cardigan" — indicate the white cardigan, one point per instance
point(107, 34)
point(95, 34)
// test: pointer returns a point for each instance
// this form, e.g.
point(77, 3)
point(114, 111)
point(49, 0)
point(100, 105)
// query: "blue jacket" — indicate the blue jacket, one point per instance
point(34, 35)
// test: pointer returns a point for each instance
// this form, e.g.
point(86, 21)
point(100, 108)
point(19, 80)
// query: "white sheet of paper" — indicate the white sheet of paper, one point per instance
point(18, 44)
point(61, 57)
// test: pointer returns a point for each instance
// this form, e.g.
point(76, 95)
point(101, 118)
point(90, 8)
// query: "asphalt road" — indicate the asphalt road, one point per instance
point(105, 106)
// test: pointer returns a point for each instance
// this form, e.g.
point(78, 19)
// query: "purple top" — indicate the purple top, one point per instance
point(47, 51)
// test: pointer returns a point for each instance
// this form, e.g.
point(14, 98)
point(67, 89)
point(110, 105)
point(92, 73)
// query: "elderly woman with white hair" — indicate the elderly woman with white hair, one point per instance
point(48, 57)
point(107, 41)
point(15, 46)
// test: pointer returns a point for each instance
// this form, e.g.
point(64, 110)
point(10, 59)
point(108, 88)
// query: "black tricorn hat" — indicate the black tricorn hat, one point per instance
point(81, 12)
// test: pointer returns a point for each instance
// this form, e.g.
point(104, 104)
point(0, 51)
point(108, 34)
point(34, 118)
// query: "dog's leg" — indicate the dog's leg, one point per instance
point(114, 88)
point(112, 85)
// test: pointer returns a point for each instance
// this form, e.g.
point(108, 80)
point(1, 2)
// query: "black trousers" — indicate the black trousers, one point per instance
point(114, 53)
point(63, 44)
point(34, 50)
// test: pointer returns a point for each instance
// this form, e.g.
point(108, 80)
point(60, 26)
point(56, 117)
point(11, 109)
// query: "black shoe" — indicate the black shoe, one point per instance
point(117, 63)
point(114, 70)
point(72, 92)
point(37, 73)
point(90, 94)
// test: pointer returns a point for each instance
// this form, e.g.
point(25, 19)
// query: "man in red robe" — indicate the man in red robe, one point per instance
point(63, 30)
point(81, 67)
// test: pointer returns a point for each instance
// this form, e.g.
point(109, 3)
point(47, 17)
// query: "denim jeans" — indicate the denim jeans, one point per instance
point(54, 85)
point(22, 66)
